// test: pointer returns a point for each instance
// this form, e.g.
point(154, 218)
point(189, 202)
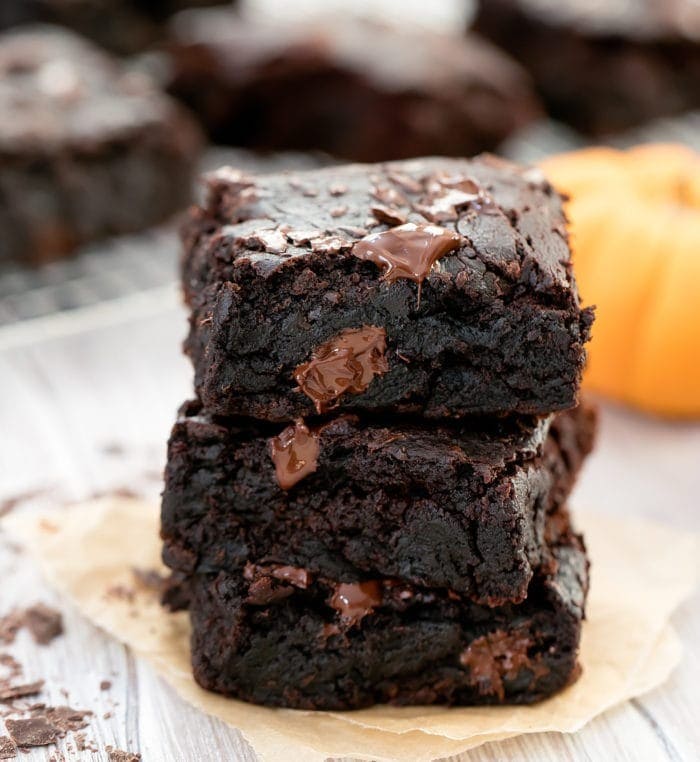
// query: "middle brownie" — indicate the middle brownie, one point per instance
point(460, 506)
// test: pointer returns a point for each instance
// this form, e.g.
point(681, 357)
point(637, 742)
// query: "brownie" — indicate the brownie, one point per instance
point(87, 149)
point(603, 67)
point(124, 26)
point(461, 508)
point(281, 636)
point(352, 88)
point(440, 287)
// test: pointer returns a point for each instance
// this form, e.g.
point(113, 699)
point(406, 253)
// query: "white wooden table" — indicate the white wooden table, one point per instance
point(87, 402)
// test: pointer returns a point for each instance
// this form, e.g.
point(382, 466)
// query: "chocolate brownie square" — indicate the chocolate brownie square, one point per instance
point(352, 88)
point(440, 287)
point(87, 149)
point(603, 67)
point(281, 636)
point(460, 507)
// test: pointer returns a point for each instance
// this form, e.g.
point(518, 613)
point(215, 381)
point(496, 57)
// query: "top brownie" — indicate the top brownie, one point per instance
point(439, 287)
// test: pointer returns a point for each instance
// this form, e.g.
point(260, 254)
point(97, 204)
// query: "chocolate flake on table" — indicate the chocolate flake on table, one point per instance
point(354, 600)
point(10, 625)
point(65, 718)
point(12, 692)
point(346, 363)
point(8, 504)
point(7, 748)
point(295, 454)
point(44, 623)
point(150, 579)
point(117, 755)
point(498, 655)
point(36, 731)
point(105, 685)
point(407, 251)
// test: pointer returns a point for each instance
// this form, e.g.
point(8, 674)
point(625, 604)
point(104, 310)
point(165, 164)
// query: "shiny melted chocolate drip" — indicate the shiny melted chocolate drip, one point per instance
point(407, 251)
point(293, 574)
point(295, 454)
point(346, 363)
point(496, 656)
point(354, 600)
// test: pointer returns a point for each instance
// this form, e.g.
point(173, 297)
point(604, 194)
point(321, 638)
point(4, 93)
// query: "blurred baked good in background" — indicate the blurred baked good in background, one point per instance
point(87, 149)
point(357, 89)
point(603, 66)
point(124, 26)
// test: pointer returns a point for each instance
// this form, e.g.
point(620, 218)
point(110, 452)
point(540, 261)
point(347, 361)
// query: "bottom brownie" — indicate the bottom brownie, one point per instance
point(276, 635)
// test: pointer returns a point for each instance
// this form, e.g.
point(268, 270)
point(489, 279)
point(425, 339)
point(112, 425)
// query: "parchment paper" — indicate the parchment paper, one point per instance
point(640, 573)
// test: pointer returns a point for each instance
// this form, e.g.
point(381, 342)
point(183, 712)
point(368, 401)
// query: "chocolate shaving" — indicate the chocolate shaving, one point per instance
point(150, 579)
point(36, 731)
point(117, 755)
point(64, 718)
point(44, 623)
point(10, 625)
point(11, 692)
point(7, 748)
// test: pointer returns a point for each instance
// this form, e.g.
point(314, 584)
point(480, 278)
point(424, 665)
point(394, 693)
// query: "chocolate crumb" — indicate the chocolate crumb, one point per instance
point(105, 685)
point(113, 448)
point(7, 749)
point(150, 579)
point(44, 623)
point(64, 718)
point(10, 625)
point(117, 755)
point(11, 692)
point(8, 504)
point(36, 731)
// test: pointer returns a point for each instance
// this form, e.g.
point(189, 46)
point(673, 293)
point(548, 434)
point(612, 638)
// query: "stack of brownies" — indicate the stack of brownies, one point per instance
point(367, 500)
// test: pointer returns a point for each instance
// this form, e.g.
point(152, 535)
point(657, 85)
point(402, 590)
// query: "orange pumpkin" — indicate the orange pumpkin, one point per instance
point(635, 225)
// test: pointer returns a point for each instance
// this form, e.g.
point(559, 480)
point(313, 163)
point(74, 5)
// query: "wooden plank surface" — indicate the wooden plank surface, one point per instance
point(87, 402)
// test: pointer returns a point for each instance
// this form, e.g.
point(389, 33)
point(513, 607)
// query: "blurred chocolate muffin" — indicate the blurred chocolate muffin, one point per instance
point(86, 148)
point(603, 67)
point(124, 26)
point(354, 89)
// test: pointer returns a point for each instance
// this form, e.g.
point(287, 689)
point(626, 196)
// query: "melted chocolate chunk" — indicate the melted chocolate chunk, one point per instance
point(354, 600)
point(346, 363)
point(496, 656)
point(298, 577)
point(407, 251)
point(295, 454)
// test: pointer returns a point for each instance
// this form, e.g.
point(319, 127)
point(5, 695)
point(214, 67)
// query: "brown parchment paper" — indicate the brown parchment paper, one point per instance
point(640, 573)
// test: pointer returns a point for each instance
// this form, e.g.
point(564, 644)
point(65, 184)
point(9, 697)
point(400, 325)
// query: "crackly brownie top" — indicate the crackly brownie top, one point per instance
point(396, 60)
point(407, 219)
point(58, 90)
point(636, 19)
